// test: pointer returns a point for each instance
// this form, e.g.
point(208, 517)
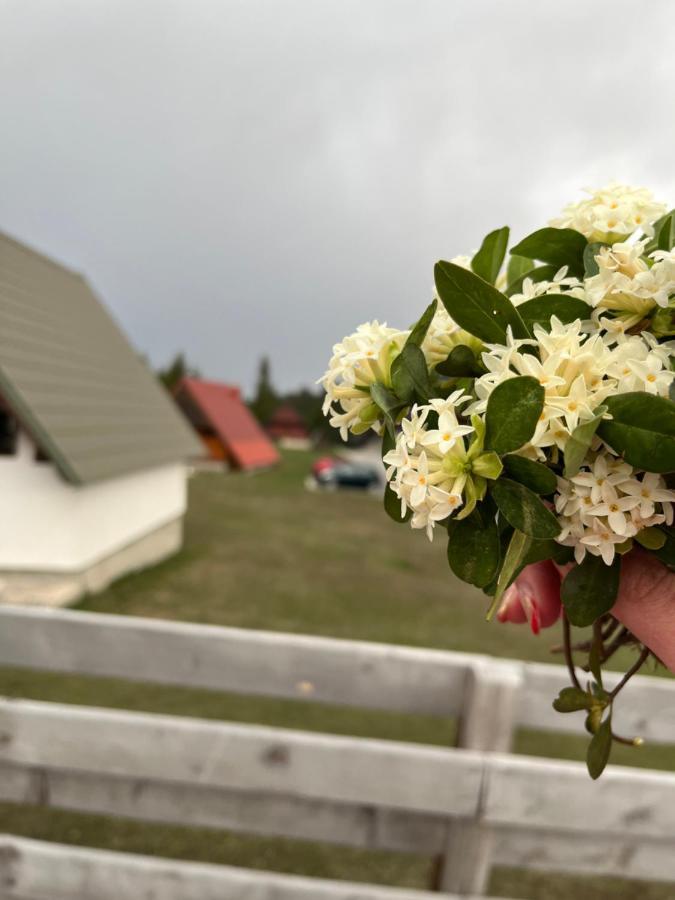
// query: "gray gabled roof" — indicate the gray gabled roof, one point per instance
point(73, 379)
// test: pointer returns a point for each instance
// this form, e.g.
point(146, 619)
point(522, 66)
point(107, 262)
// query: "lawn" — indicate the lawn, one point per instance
point(261, 552)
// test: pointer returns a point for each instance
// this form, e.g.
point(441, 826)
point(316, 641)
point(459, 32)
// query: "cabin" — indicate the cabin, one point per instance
point(230, 434)
point(93, 453)
point(288, 428)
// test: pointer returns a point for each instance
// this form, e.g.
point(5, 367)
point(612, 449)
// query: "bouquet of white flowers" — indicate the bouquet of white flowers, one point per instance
point(528, 413)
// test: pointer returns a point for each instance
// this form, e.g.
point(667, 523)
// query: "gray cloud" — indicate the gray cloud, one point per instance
point(246, 177)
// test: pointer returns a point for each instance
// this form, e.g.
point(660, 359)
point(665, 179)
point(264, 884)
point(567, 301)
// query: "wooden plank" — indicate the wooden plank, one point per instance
point(646, 709)
point(524, 792)
point(353, 673)
point(393, 775)
point(34, 870)
point(486, 723)
point(620, 856)
point(252, 812)
point(303, 667)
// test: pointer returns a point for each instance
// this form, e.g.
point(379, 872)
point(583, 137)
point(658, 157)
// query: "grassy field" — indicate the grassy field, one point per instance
point(260, 552)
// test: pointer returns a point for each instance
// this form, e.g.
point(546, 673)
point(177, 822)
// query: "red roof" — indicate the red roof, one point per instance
point(287, 422)
point(237, 428)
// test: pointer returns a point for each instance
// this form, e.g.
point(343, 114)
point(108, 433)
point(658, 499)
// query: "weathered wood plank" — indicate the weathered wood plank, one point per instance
point(486, 723)
point(558, 796)
point(33, 870)
point(252, 812)
point(621, 856)
point(352, 673)
point(646, 709)
point(243, 757)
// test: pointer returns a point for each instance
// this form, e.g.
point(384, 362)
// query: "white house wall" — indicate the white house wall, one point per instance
point(48, 525)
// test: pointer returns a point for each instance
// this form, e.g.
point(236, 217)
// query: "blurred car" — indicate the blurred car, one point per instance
point(339, 474)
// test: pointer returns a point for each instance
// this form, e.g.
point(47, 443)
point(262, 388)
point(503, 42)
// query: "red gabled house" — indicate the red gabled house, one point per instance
point(227, 428)
point(286, 422)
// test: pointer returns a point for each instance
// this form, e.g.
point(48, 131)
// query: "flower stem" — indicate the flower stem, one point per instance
point(567, 648)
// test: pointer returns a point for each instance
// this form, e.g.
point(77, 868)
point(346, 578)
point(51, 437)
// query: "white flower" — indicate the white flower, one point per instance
point(423, 469)
point(627, 284)
point(607, 504)
point(613, 211)
point(650, 491)
point(447, 434)
point(561, 284)
point(359, 361)
point(577, 371)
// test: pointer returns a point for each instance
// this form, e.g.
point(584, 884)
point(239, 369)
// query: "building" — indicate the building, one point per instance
point(288, 428)
point(228, 429)
point(92, 450)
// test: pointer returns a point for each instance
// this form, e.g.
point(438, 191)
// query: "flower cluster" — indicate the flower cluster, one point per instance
point(426, 469)
point(629, 284)
point(607, 504)
point(561, 283)
point(612, 212)
point(577, 371)
point(529, 414)
point(359, 360)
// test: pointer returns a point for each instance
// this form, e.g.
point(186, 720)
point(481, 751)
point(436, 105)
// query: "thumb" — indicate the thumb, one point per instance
point(646, 604)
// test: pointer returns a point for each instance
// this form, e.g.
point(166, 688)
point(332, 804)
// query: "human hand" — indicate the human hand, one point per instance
point(645, 604)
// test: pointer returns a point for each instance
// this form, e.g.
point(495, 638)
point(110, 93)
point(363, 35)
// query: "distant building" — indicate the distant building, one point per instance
point(92, 450)
point(229, 431)
point(288, 428)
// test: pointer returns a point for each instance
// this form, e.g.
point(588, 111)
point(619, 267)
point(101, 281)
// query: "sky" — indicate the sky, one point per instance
point(239, 179)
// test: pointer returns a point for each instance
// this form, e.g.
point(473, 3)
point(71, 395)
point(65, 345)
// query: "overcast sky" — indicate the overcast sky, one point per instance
point(240, 178)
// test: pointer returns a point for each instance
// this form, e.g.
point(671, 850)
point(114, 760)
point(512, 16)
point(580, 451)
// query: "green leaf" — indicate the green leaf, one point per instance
point(460, 363)
point(590, 252)
point(419, 330)
point(579, 441)
point(589, 590)
point(410, 376)
point(642, 430)
point(599, 749)
point(516, 551)
point(524, 510)
point(666, 237)
point(549, 549)
point(392, 506)
point(534, 475)
point(388, 403)
point(513, 411)
point(653, 244)
point(539, 310)
point(488, 261)
point(517, 268)
point(474, 550)
point(571, 699)
point(666, 554)
point(557, 246)
point(477, 306)
point(535, 274)
point(651, 538)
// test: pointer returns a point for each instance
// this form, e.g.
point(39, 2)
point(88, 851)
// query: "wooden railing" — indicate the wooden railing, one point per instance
point(475, 807)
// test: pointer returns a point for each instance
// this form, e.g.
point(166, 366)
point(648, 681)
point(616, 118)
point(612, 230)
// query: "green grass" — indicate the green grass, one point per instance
point(260, 552)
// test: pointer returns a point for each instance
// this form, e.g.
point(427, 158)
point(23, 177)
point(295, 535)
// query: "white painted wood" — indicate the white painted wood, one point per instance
point(34, 870)
point(352, 673)
point(253, 812)
point(486, 723)
point(646, 709)
point(621, 856)
point(559, 796)
point(393, 775)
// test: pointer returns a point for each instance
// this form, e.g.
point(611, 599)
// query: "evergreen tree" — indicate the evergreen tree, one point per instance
point(266, 399)
point(176, 370)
